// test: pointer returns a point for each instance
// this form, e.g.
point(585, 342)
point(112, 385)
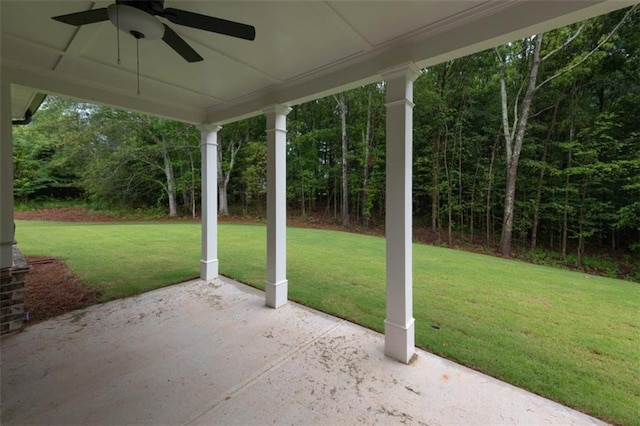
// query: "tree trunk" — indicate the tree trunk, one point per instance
point(224, 176)
point(171, 182)
point(472, 202)
point(565, 215)
point(514, 142)
point(364, 213)
point(193, 187)
point(223, 206)
point(335, 198)
point(342, 107)
point(435, 177)
point(567, 189)
point(509, 209)
point(302, 200)
point(489, 223)
point(581, 223)
point(538, 199)
point(460, 204)
point(447, 172)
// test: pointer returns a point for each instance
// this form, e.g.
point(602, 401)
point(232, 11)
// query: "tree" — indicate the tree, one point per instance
point(44, 161)
point(514, 136)
point(224, 172)
point(514, 133)
point(232, 142)
point(342, 110)
point(252, 166)
point(161, 138)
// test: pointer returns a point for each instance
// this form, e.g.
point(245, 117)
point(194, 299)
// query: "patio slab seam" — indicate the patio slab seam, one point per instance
point(258, 376)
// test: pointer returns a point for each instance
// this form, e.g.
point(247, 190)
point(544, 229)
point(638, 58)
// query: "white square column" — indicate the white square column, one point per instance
point(209, 176)
point(399, 327)
point(276, 283)
point(6, 177)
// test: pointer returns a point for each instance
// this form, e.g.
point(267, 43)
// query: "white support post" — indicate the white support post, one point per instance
point(276, 283)
point(399, 326)
point(209, 176)
point(6, 177)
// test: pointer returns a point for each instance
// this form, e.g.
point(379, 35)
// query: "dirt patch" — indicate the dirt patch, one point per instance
point(51, 289)
point(79, 214)
point(64, 214)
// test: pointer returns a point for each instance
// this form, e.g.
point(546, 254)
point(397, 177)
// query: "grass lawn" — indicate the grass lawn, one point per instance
point(572, 337)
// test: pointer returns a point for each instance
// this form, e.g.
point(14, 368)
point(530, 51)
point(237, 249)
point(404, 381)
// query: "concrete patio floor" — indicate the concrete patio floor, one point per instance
point(212, 353)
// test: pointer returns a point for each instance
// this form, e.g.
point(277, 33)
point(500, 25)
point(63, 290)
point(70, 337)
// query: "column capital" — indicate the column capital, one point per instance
point(402, 103)
point(408, 71)
point(209, 128)
point(277, 109)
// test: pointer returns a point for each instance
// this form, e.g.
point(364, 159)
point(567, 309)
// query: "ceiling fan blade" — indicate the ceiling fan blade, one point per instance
point(83, 18)
point(178, 44)
point(209, 23)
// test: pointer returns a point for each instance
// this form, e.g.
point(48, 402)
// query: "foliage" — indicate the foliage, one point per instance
point(578, 180)
point(114, 159)
point(44, 164)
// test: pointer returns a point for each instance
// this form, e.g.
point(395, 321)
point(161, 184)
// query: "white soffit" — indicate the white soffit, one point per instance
point(303, 50)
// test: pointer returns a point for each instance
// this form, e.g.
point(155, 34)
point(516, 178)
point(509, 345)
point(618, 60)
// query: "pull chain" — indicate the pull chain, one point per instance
point(137, 35)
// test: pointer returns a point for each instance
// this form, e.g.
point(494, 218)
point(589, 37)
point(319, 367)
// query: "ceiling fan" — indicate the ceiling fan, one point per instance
point(138, 18)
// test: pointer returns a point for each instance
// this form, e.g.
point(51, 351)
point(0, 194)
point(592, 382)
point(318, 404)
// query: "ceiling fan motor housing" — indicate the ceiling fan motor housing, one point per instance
point(136, 22)
point(153, 7)
point(139, 19)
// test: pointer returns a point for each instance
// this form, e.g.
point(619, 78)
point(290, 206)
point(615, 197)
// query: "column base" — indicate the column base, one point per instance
point(276, 293)
point(208, 269)
point(12, 312)
point(399, 341)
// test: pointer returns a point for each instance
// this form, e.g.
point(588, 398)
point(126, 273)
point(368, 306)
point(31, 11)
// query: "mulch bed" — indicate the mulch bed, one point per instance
point(51, 289)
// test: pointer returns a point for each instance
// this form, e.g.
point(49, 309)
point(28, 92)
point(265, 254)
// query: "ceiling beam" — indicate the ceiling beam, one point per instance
point(508, 21)
point(52, 83)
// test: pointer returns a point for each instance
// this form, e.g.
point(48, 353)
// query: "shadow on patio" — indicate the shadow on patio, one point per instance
point(211, 353)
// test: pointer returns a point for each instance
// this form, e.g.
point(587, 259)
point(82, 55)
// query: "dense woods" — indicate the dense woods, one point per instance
point(533, 144)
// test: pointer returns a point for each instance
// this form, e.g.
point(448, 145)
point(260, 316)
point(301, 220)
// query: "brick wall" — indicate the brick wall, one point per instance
point(12, 294)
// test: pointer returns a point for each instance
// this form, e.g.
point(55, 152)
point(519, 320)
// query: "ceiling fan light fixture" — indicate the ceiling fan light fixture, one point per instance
point(138, 19)
point(135, 22)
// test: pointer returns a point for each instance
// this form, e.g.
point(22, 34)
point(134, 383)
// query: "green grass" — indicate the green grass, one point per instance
point(120, 259)
point(569, 336)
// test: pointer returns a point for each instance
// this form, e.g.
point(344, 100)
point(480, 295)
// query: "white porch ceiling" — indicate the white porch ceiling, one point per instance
point(303, 50)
